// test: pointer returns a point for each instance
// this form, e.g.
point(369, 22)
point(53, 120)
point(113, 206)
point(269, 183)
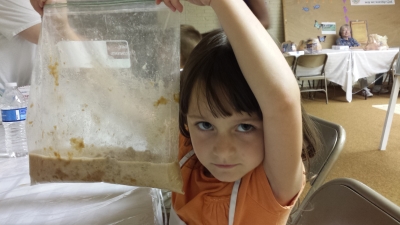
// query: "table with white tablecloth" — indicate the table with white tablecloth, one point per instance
point(72, 203)
point(346, 67)
point(338, 68)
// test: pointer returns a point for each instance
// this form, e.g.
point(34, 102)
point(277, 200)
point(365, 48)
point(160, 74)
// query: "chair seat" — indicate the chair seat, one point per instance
point(346, 201)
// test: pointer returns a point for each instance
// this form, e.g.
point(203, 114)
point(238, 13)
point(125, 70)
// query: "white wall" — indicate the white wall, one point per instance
point(204, 18)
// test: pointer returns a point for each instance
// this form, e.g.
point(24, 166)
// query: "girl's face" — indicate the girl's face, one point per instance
point(345, 33)
point(228, 147)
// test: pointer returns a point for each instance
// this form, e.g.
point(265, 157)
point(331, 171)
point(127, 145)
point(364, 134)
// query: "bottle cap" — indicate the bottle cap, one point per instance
point(13, 84)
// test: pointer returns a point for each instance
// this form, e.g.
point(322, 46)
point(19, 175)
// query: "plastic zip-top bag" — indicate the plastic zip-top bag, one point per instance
point(103, 101)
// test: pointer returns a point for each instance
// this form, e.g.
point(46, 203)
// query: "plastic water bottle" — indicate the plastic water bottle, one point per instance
point(13, 114)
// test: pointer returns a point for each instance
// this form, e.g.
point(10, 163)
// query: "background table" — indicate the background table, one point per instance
point(338, 68)
point(72, 203)
point(346, 67)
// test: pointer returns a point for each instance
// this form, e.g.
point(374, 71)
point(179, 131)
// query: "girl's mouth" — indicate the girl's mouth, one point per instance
point(225, 166)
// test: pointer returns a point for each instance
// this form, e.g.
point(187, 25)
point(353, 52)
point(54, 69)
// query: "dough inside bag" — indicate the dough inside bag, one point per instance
point(119, 166)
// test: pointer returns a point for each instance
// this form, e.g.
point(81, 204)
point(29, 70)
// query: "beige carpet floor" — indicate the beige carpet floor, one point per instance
point(360, 158)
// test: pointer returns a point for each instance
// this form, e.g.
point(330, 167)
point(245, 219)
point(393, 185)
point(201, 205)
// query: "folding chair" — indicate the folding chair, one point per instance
point(312, 67)
point(291, 60)
point(347, 201)
point(333, 138)
point(390, 73)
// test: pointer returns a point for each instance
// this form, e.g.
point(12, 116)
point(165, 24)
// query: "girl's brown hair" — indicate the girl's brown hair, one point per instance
point(213, 69)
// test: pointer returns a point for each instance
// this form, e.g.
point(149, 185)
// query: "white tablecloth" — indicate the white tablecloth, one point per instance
point(369, 63)
point(345, 67)
point(71, 203)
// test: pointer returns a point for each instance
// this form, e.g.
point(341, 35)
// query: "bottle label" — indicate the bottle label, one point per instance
point(13, 115)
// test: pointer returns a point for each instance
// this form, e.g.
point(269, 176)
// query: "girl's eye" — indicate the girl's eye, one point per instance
point(245, 127)
point(204, 126)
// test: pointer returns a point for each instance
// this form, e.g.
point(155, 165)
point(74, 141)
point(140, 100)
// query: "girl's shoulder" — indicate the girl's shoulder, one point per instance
point(256, 185)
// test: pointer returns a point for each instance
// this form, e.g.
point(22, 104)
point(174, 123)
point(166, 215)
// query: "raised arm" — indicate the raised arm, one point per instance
point(275, 88)
point(277, 93)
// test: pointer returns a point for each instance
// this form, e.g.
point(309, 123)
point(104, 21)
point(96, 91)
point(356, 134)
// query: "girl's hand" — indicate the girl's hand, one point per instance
point(176, 5)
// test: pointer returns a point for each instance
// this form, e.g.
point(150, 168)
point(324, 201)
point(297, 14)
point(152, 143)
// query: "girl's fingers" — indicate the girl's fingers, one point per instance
point(169, 5)
point(177, 4)
point(172, 4)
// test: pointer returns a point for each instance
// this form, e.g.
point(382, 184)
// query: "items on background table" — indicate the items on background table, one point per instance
point(288, 46)
point(296, 53)
point(104, 106)
point(310, 46)
point(340, 47)
point(376, 42)
point(13, 114)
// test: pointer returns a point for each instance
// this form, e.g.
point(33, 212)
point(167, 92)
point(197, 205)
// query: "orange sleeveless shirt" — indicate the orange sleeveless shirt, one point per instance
point(206, 200)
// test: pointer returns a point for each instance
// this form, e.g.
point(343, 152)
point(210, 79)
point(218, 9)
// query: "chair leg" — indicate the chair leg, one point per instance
point(326, 91)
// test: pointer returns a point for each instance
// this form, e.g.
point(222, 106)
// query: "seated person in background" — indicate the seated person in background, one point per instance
point(378, 84)
point(346, 39)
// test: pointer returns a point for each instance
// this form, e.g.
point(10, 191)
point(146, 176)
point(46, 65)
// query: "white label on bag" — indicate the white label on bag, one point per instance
point(91, 54)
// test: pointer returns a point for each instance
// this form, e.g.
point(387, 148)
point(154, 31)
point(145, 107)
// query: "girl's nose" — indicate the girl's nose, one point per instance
point(224, 146)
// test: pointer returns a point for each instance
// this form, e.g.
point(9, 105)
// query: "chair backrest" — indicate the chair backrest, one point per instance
point(347, 201)
point(291, 60)
point(314, 64)
point(333, 138)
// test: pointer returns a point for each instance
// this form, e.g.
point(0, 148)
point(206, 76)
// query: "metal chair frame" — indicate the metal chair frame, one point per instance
point(291, 60)
point(390, 73)
point(333, 138)
point(312, 61)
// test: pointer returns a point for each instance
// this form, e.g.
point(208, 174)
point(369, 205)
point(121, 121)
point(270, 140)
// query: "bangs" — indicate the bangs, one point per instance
point(213, 73)
point(224, 96)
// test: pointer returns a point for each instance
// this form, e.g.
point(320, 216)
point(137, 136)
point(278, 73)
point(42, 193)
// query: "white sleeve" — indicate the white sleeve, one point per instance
point(16, 16)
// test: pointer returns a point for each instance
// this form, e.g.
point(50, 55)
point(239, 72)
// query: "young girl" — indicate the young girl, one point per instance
point(241, 112)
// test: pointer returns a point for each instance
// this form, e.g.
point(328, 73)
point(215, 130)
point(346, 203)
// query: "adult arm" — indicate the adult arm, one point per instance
point(64, 30)
point(32, 33)
point(356, 44)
